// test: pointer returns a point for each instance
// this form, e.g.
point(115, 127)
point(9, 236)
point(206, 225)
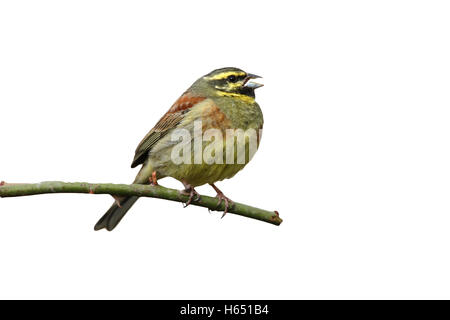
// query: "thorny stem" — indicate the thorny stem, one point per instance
point(27, 189)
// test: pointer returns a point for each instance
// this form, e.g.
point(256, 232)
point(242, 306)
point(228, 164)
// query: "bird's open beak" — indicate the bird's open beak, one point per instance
point(251, 84)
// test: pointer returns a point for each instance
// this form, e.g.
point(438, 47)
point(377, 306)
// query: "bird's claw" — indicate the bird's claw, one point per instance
point(222, 197)
point(228, 202)
point(193, 196)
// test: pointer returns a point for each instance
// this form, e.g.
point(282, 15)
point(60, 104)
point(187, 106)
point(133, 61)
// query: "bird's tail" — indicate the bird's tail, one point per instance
point(119, 208)
point(113, 216)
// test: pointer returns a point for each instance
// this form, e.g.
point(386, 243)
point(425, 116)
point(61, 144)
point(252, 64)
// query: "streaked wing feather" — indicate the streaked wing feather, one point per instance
point(169, 121)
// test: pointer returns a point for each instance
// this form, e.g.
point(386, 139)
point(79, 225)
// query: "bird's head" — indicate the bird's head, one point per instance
point(232, 82)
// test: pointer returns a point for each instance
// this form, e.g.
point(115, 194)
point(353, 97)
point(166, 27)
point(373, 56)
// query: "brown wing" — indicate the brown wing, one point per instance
point(169, 121)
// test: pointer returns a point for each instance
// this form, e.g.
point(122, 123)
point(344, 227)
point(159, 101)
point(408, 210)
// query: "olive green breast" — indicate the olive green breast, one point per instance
point(241, 115)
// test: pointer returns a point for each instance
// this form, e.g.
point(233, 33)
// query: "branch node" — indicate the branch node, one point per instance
point(118, 191)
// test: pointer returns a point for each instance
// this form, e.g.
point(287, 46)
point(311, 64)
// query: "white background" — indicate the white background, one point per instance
point(355, 153)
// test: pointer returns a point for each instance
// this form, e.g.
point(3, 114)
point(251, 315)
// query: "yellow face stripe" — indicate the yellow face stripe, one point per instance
point(224, 75)
point(232, 86)
point(243, 97)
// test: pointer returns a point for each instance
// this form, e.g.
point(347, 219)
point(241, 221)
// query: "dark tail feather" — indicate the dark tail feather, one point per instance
point(113, 216)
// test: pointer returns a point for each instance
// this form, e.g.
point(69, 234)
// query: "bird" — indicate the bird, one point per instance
point(223, 99)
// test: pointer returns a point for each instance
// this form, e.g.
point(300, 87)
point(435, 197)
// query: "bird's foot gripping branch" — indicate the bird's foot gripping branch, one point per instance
point(156, 191)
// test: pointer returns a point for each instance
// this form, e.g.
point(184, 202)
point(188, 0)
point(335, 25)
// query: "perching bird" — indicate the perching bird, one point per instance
point(223, 99)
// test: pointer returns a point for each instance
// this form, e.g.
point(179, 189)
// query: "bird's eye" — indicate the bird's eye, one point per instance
point(232, 78)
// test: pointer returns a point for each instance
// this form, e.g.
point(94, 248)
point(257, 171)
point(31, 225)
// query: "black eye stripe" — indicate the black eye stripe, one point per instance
point(235, 78)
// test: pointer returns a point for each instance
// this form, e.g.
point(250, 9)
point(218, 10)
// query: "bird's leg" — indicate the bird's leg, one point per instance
point(222, 197)
point(153, 181)
point(189, 191)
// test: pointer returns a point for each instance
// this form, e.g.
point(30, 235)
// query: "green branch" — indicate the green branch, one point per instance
point(27, 189)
